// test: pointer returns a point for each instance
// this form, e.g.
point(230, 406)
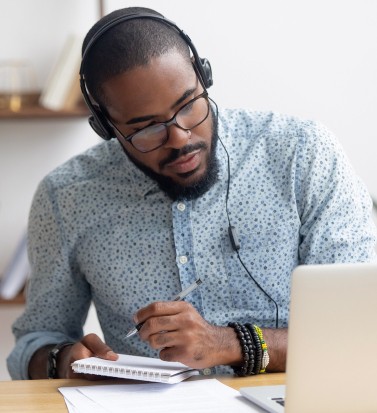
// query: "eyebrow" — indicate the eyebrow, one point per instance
point(175, 104)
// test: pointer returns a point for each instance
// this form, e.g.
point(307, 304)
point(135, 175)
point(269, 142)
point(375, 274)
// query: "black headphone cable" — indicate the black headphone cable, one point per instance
point(232, 230)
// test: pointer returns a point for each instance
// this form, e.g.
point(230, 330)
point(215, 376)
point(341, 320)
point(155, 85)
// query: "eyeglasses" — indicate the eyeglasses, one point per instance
point(152, 137)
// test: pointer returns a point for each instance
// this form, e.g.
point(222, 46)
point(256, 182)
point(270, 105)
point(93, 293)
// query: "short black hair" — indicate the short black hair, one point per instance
point(125, 46)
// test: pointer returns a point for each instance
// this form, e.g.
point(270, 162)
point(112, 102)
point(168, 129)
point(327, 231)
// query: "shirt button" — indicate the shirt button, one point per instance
point(207, 372)
point(181, 206)
point(183, 259)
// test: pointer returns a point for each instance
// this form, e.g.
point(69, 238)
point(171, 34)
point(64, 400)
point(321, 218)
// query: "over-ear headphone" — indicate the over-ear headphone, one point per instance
point(98, 120)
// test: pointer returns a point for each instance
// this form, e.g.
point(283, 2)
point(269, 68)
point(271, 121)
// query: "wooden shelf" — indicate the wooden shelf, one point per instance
point(39, 112)
point(19, 299)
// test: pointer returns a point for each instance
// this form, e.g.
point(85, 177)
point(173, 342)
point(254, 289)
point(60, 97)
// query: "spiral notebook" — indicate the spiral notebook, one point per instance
point(135, 368)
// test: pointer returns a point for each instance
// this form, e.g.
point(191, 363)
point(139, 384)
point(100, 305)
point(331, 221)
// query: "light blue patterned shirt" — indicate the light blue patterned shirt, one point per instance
point(101, 230)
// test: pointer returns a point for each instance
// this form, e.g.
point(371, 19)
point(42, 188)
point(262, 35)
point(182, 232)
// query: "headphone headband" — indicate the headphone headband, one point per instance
point(98, 119)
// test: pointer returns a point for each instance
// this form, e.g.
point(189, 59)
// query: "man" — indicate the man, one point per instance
point(234, 198)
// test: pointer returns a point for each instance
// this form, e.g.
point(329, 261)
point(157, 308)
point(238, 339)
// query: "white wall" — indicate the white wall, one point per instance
point(35, 30)
point(312, 58)
point(316, 59)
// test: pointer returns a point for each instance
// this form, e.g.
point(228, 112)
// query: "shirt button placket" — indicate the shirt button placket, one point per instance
point(183, 258)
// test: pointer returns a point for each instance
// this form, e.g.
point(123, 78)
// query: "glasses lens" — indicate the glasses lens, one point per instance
point(150, 138)
point(193, 113)
point(190, 115)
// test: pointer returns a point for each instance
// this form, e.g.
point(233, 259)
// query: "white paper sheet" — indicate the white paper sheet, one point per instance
point(199, 396)
point(76, 402)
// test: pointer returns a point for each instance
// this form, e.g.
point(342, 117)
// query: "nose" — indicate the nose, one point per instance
point(177, 137)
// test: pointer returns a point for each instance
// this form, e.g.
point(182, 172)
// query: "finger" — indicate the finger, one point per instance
point(155, 325)
point(90, 345)
point(67, 356)
point(184, 322)
point(98, 348)
point(78, 352)
point(164, 339)
point(182, 354)
point(179, 334)
point(161, 308)
point(172, 354)
point(171, 337)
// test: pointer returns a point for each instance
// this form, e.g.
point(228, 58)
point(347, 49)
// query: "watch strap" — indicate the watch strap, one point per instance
point(52, 364)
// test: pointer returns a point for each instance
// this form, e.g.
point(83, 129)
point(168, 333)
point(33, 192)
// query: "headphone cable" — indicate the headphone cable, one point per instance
point(232, 229)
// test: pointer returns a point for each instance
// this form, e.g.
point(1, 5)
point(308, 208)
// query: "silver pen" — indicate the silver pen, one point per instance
point(178, 297)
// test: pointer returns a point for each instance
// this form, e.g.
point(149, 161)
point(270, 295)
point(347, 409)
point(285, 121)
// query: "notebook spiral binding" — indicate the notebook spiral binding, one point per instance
point(122, 372)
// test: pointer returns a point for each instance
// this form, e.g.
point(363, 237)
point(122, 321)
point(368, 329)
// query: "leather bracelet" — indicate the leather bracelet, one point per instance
point(52, 364)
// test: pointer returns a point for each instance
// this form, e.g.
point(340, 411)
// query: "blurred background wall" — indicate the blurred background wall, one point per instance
point(316, 59)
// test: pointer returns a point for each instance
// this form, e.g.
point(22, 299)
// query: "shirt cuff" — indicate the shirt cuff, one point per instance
point(26, 346)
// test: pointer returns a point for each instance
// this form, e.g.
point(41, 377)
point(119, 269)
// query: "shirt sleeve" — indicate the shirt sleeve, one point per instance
point(334, 206)
point(58, 296)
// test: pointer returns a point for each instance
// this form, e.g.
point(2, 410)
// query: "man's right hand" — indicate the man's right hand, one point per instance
point(90, 346)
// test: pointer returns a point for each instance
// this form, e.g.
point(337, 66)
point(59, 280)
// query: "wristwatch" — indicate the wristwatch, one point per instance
point(53, 357)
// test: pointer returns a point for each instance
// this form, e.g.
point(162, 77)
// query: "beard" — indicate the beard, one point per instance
point(196, 189)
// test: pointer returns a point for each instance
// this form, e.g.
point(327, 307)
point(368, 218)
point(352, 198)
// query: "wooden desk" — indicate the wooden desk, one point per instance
point(29, 396)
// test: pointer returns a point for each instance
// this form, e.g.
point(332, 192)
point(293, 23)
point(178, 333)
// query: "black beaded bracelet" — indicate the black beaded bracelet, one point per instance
point(247, 348)
point(258, 348)
point(251, 350)
point(240, 370)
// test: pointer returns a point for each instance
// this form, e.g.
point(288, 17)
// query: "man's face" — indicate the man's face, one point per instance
point(150, 94)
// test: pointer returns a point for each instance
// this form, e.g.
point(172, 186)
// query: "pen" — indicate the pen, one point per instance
point(178, 297)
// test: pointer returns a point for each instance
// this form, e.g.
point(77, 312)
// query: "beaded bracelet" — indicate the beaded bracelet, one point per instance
point(241, 370)
point(250, 353)
point(251, 350)
point(258, 348)
point(254, 349)
point(265, 356)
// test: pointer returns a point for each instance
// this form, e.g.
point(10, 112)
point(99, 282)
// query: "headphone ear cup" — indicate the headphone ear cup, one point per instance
point(207, 72)
point(100, 125)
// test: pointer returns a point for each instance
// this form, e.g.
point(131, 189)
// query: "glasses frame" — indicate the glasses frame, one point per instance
point(171, 121)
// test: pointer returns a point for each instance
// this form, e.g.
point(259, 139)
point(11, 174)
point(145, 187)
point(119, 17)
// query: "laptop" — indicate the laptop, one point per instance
point(332, 343)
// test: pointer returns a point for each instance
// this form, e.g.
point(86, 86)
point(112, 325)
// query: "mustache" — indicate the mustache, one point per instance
point(177, 153)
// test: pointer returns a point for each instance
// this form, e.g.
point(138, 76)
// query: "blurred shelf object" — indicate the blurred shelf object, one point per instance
point(19, 299)
point(38, 112)
point(30, 109)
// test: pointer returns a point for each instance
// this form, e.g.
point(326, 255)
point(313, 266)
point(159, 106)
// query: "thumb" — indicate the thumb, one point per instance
point(98, 348)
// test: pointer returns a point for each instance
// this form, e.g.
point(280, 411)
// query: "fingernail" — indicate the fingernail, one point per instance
point(111, 354)
point(135, 319)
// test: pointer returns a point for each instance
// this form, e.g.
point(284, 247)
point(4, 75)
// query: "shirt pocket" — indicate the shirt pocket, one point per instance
point(269, 256)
